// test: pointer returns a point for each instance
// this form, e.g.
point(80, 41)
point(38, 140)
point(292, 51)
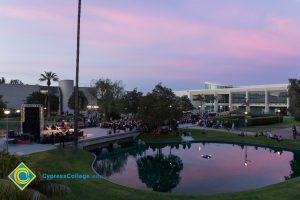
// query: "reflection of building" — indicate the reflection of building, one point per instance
point(15, 95)
point(257, 99)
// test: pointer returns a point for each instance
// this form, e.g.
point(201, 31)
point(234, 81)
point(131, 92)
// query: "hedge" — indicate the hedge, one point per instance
point(264, 120)
point(229, 120)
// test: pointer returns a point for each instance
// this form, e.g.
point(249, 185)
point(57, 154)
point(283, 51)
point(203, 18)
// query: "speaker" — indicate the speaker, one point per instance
point(31, 124)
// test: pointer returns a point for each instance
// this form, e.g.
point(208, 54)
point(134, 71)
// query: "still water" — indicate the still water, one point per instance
point(198, 168)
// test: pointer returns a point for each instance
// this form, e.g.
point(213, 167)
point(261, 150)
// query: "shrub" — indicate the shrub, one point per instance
point(297, 116)
point(227, 120)
point(256, 121)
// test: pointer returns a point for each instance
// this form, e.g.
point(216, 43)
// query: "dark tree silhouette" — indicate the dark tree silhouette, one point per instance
point(160, 172)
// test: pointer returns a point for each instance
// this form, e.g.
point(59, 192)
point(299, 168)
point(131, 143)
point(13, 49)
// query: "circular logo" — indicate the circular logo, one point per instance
point(21, 176)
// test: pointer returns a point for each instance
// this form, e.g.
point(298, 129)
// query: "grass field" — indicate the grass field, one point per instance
point(220, 136)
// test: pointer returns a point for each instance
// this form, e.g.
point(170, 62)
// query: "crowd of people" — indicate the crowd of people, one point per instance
point(116, 126)
point(205, 121)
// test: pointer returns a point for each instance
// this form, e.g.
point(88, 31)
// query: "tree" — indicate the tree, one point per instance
point(48, 77)
point(2, 80)
point(294, 94)
point(16, 82)
point(199, 98)
point(130, 102)
point(109, 95)
point(82, 101)
point(2, 107)
point(185, 103)
point(40, 98)
point(158, 107)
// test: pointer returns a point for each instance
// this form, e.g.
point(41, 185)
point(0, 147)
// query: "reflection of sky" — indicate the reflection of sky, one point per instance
point(225, 172)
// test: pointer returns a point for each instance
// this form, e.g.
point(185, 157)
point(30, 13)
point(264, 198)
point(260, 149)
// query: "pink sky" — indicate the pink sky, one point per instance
point(181, 43)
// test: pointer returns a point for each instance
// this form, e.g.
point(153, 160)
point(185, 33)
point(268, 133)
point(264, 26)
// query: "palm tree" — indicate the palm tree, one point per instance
point(48, 76)
point(76, 111)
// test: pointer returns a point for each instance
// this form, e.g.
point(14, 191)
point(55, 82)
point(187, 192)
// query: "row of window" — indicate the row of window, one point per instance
point(278, 97)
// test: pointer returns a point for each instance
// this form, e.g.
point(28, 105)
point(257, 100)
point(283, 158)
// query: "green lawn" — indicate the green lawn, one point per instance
point(61, 161)
point(287, 122)
point(222, 137)
point(10, 123)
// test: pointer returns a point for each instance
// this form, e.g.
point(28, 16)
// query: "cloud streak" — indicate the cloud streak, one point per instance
point(161, 44)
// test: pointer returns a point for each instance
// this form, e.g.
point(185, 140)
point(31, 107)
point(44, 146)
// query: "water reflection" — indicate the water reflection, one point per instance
point(180, 168)
point(295, 166)
point(114, 162)
point(160, 172)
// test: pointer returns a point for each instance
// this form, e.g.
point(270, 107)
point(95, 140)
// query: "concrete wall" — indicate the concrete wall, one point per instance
point(67, 89)
point(15, 95)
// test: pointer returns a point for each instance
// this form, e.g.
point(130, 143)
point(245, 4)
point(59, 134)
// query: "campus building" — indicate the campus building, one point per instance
point(256, 99)
point(15, 95)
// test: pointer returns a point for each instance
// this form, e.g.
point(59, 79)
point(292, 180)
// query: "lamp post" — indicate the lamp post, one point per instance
point(246, 120)
point(7, 112)
point(18, 112)
point(278, 112)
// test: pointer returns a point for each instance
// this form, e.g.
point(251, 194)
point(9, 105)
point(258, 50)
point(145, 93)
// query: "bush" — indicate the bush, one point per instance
point(297, 116)
point(256, 121)
point(227, 120)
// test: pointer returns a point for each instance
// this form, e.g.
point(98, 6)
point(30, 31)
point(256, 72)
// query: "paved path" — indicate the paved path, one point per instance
point(286, 133)
point(25, 149)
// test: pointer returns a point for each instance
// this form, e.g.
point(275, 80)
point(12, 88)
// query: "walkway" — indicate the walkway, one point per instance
point(286, 133)
point(25, 149)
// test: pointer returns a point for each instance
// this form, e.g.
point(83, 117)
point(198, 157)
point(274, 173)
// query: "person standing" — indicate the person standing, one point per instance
point(294, 132)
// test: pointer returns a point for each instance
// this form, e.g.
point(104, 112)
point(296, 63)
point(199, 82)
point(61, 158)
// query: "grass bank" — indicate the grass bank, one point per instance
point(287, 122)
point(222, 137)
point(61, 161)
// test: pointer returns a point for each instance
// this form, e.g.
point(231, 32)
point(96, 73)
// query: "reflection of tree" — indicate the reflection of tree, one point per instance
point(160, 172)
point(111, 165)
point(295, 166)
point(115, 161)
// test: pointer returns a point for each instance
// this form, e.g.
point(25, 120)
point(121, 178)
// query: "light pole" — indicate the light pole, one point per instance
point(246, 120)
point(18, 112)
point(200, 110)
point(76, 110)
point(278, 111)
point(7, 112)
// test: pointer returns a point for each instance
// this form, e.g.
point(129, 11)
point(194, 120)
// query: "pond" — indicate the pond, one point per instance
point(197, 168)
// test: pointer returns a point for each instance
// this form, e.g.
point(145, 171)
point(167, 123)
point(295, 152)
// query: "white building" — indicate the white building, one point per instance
point(256, 99)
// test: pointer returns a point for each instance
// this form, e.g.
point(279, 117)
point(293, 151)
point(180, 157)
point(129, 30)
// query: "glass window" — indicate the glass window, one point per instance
point(257, 97)
point(238, 97)
point(278, 97)
point(209, 98)
point(223, 98)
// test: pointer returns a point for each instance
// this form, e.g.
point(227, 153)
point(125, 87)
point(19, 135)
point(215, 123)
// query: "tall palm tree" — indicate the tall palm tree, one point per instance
point(48, 76)
point(76, 110)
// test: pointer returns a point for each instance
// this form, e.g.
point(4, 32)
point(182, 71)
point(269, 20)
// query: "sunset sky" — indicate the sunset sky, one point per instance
point(181, 43)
